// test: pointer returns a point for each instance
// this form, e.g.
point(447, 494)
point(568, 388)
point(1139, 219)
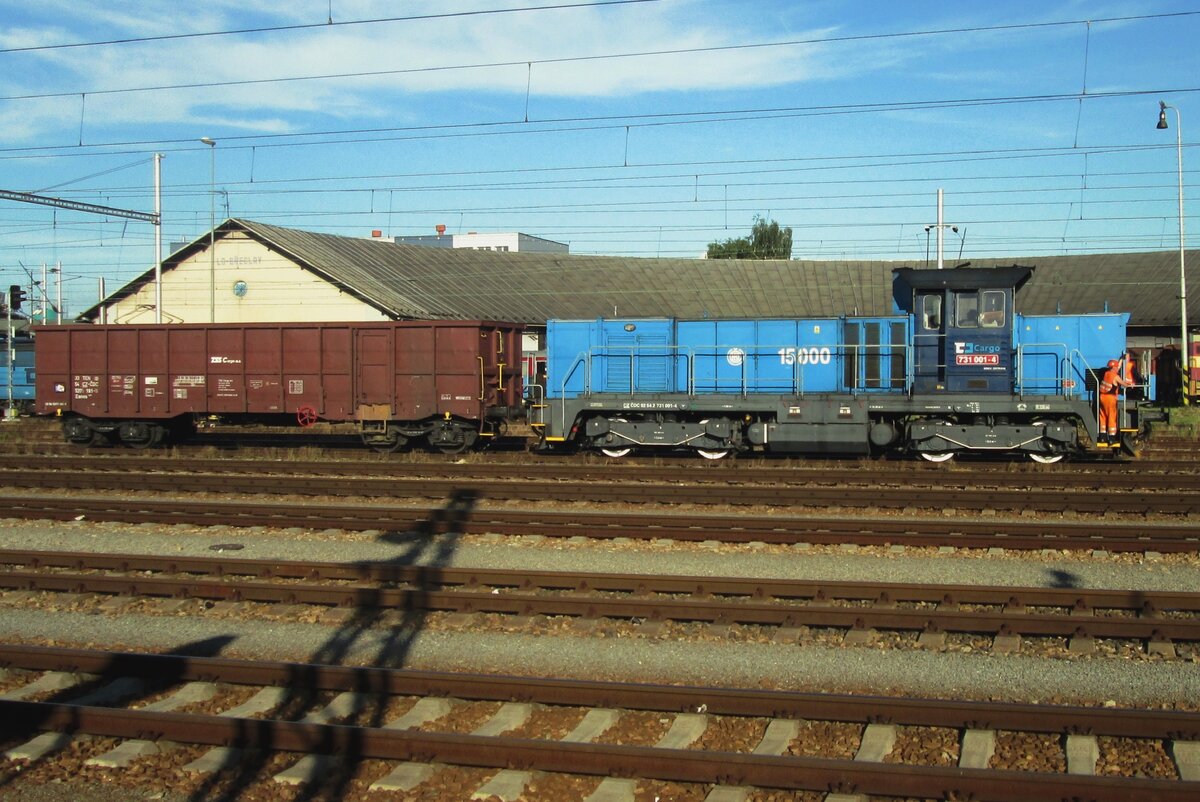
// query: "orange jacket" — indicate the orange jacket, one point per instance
point(1113, 380)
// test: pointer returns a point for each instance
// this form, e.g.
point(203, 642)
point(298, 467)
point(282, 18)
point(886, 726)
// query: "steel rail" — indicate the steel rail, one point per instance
point(1092, 476)
point(1009, 621)
point(797, 603)
point(952, 713)
point(1150, 457)
point(976, 499)
point(1079, 600)
point(459, 518)
point(670, 765)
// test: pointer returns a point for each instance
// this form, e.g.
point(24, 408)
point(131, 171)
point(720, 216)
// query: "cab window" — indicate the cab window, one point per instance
point(991, 314)
point(966, 310)
point(931, 312)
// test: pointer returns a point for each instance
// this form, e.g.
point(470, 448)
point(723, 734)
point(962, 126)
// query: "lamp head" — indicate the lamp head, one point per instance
point(1162, 116)
point(207, 140)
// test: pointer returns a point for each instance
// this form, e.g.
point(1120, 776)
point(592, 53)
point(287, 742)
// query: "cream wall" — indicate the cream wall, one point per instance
point(276, 290)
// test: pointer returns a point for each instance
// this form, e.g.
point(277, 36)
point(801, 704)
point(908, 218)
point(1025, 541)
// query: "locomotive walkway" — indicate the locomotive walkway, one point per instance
point(904, 747)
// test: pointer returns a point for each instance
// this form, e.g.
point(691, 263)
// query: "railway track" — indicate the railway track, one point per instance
point(675, 735)
point(1004, 614)
point(1122, 477)
point(828, 490)
point(461, 516)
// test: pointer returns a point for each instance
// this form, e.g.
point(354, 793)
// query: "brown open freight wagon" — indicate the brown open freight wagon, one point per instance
point(445, 383)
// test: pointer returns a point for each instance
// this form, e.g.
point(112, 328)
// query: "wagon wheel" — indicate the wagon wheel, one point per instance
point(936, 456)
point(306, 416)
point(138, 438)
point(388, 443)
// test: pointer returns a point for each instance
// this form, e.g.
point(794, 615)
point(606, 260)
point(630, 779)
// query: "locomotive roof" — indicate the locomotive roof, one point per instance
point(409, 281)
point(964, 278)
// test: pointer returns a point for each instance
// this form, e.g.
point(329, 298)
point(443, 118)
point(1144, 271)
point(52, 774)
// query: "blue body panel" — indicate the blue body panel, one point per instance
point(759, 356)
point(609, 356)
point(1056, 352)
point(23, 373)
point(784, 356)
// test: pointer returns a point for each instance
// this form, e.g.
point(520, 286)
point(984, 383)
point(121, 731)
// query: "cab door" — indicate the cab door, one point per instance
point(978, 351)
point(929, 342)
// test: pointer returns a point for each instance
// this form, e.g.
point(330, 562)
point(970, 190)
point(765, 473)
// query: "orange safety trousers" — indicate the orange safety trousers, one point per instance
point(1108, 414)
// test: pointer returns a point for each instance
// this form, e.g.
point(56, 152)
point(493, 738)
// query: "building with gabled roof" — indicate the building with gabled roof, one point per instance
point(260, 272)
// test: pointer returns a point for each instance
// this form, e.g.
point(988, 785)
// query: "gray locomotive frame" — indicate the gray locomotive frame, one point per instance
point(823, 424)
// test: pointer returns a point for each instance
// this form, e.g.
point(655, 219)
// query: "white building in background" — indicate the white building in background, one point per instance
point(514, 242)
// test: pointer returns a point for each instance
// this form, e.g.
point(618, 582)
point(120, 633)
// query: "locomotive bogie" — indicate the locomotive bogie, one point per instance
point(713, 437)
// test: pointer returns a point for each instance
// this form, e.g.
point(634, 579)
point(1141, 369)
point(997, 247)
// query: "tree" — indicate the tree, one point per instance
point(766, 241)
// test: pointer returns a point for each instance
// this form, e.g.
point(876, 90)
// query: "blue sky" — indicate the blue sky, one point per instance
point(636, 128)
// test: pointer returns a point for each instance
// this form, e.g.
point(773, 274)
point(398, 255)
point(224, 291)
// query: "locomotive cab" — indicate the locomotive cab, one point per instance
point(963, 327)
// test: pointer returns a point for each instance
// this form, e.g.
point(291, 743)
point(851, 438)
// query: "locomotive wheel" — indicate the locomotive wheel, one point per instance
point(1043, 458)
point(936, 456)
point(451, 448)
point(713, 453)
point(617, 453)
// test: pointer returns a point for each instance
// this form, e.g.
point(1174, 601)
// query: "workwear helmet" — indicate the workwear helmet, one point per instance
point(1112, 363)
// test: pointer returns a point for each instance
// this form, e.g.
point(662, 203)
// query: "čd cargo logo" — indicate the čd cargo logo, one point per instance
point(976, 354)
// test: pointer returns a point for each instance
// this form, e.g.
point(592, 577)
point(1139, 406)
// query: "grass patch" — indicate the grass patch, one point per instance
point(1181, 422)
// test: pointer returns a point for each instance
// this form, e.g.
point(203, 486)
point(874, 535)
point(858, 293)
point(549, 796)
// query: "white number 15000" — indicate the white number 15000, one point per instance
point(804, 356)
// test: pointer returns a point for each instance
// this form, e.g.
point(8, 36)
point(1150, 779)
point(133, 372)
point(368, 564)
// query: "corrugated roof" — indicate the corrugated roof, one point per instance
point(411, 281)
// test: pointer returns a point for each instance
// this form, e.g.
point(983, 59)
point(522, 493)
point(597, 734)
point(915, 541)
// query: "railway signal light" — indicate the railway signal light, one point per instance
point(16, 296)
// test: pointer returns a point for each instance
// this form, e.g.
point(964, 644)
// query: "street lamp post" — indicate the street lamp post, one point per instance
point(1184, 357)
point(212, 227)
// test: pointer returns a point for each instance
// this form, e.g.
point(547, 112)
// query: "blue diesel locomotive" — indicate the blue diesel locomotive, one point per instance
point(18, 371)
point(954, 370)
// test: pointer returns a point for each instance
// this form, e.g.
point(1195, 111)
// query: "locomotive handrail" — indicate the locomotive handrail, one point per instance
point(1063, 365)
point(938, 348)
point(535, 400)
point(836, 357)
point(1087, 370)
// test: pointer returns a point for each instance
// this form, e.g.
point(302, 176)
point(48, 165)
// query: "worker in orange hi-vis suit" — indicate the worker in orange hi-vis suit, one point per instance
point(1110, 387)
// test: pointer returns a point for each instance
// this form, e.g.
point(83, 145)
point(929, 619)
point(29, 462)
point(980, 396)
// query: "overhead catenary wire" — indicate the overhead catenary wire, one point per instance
point(587, 187)
point(329, 23)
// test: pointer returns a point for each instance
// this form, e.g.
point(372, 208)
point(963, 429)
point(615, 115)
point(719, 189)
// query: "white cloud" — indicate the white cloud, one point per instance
point(414, 56)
